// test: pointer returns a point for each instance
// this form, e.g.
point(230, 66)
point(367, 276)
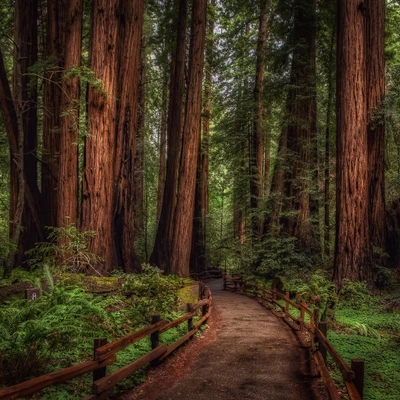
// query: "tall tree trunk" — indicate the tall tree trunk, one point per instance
point(15, 132)
point(257, 147)
point(292, 175)
point(327, 147)
point(100, 168)
point(18, 159)
point(353, 249)
point(161, 252)
point(163, 148)
point(376, 129)
point(26, 53)
point(67, 205)
point(278, 183)
point(198, 256)
point(138, 218)
point(52, 110)
point(183, 217)
point(127, 76)
point(301, 124)
point(267, 161)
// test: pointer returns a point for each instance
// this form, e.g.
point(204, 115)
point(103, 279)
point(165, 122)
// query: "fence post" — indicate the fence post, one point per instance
point(154, 337)
point(274, 294)
point(235, 283)
point(201, 290)
point(302, 305)
point(357, 365)
point(287, 302)
point(323, 327)
point(101, 372)
point(315, 320)
point(190, 320)
point(224, 282)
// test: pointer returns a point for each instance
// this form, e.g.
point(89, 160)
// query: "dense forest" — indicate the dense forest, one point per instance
point(171, 137)
point(191, 136)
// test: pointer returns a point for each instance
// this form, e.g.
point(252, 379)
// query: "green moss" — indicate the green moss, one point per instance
point(188, 294)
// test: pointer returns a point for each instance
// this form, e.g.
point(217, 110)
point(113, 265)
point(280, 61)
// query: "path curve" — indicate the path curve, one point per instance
point(255, 356)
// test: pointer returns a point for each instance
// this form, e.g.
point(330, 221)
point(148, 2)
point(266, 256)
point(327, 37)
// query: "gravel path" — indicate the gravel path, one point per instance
point(255, 356)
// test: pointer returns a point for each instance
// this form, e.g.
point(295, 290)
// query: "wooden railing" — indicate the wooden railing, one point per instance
point(105, 354)
point(207, 274)
point(319, 344)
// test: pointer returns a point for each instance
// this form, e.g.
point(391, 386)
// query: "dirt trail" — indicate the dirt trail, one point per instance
point(255, 356)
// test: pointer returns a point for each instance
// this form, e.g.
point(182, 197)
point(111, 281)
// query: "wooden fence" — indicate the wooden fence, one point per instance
point(319, 346)
point(105, 354)
point(207, 274)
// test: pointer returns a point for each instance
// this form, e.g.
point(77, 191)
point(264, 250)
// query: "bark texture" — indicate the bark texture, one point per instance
point(375, 38)
point(198, 257)
point(130, 24)
point(291, 182)
point(257, 144)
point(183, 217)
point(52, 93)
point(100, 167)
point(353, 250)
point(67, 205)
point(161, 252)
point(139, 211)
point(25, 87)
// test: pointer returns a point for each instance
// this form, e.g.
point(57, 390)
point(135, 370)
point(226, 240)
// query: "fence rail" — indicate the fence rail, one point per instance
point(353, 376)
point(105, 354)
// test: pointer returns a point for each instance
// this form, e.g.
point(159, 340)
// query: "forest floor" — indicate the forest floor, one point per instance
point(247, 354)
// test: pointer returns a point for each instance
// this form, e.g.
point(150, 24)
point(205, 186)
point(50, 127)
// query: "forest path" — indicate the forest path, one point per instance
point(255, 356)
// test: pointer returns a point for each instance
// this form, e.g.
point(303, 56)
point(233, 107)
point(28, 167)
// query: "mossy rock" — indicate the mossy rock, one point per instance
point(188, 295)
point(100, 284)
point(93, 284)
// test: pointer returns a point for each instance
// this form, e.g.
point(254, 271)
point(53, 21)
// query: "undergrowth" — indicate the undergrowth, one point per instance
point(57, 330)
point(365, 329)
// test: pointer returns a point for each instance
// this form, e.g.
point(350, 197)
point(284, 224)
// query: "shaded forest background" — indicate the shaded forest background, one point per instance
point(258, 136)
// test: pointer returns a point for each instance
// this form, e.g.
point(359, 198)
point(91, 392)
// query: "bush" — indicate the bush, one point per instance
point(356, 295)
point(280, 256)
point(66, 249)
point(33, 332)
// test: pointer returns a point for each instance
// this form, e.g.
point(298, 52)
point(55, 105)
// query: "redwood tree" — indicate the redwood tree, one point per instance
point(375, 54)
point(67, 204)
point(183, 216)
point(100, 146)
point(127, 75)
point(353, 249)
point(161, 252)
point(291, 203)
point(52, 93)
point(198, 256)
point(25, 87)
point(257, 143)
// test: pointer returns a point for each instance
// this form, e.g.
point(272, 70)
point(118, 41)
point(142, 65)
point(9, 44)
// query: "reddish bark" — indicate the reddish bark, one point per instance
point(139, 210)
point(100, 169)
point(183, 217)
point(375, 37)
point(52, 93)
point(130, 24)
point(161, 252)
point(67, 205)
point(257, 147)
point(198, 256)
point(25, 36)
point(353, 250)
